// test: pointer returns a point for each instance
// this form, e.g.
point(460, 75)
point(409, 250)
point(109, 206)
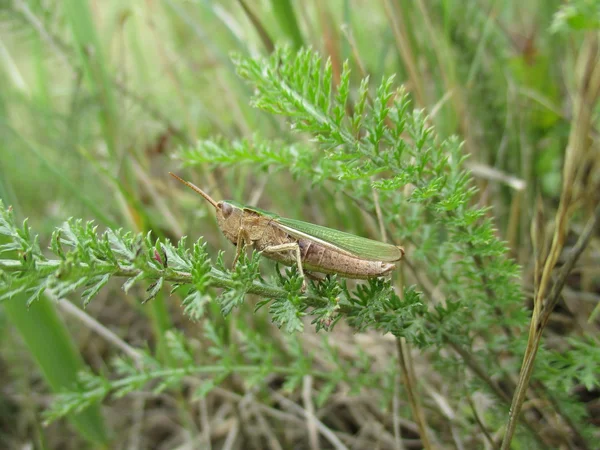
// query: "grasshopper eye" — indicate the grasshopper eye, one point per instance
point(227, 209)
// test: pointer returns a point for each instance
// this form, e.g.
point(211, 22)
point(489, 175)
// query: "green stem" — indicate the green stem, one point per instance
point(217, 278)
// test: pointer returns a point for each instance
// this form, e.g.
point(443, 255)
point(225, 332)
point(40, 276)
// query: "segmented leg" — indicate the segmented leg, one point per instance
point(242, 242)
point(292, 246)
point(314, 277)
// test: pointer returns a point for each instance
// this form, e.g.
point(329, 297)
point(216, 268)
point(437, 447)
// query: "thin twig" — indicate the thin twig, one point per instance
point(380, 221)
point(411, 390)
point(96, 326)
point(472, 363)
point(577, 149)
point(313, 435)
point(158, 200)
point(396, 416)
point(481, 425)
point(323, 429)
point(262, 32)
point(274, 444)
point(541, 322)
point(136, 429)
point(205, 424)
point(493, 174)
point(232, 436)
point(566, 269)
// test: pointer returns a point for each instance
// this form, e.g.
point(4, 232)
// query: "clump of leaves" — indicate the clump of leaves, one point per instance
point(252, 357)
point(86, 260)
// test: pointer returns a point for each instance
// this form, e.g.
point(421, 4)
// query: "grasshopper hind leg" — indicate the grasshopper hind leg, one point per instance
point(294, 247)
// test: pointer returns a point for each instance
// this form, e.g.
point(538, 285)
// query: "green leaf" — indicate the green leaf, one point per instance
point(154, 289)
point(203, 389)
point(95, 284)
point(286, 315)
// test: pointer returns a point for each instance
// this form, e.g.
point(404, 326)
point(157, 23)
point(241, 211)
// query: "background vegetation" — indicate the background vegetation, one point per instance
point(465, 131)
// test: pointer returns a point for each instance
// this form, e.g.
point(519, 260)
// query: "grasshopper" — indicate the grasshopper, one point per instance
point(311, 247)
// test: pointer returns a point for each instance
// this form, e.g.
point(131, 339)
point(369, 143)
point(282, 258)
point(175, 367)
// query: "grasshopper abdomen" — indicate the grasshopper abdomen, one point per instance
point(318, 258)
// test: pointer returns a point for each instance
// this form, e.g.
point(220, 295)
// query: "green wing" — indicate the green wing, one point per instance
point(354, 245)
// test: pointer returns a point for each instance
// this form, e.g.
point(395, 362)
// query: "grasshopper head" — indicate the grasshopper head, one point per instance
point(229, 215)
point(229, 218)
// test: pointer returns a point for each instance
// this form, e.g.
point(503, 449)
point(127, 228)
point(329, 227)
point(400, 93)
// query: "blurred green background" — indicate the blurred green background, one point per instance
point(96, 96)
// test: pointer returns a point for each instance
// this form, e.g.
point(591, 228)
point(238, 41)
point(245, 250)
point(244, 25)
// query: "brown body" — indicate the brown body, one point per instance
point(263, 232)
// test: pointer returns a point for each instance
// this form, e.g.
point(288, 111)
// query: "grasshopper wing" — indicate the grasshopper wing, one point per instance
point(345, 242)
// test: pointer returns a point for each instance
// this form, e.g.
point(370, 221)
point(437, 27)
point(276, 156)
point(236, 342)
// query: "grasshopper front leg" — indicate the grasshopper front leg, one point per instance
point(292, 246)
point(242, 241)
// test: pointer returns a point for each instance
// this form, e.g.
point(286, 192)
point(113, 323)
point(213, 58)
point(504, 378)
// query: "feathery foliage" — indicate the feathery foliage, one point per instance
point(368, 144)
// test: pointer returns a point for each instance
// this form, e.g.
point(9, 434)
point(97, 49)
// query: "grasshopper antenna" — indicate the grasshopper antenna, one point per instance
point(197, 189)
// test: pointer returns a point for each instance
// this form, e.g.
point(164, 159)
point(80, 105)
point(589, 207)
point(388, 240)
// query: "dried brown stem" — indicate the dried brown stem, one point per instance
point(576, 155)
point(408, 376)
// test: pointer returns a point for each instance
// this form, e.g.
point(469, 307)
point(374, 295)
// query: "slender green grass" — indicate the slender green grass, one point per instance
point(91, 55)
point(51, 346)
point(285, 15)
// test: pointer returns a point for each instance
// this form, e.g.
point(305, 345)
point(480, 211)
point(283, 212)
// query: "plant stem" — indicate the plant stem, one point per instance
point(537, 327)
point(406, 366)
